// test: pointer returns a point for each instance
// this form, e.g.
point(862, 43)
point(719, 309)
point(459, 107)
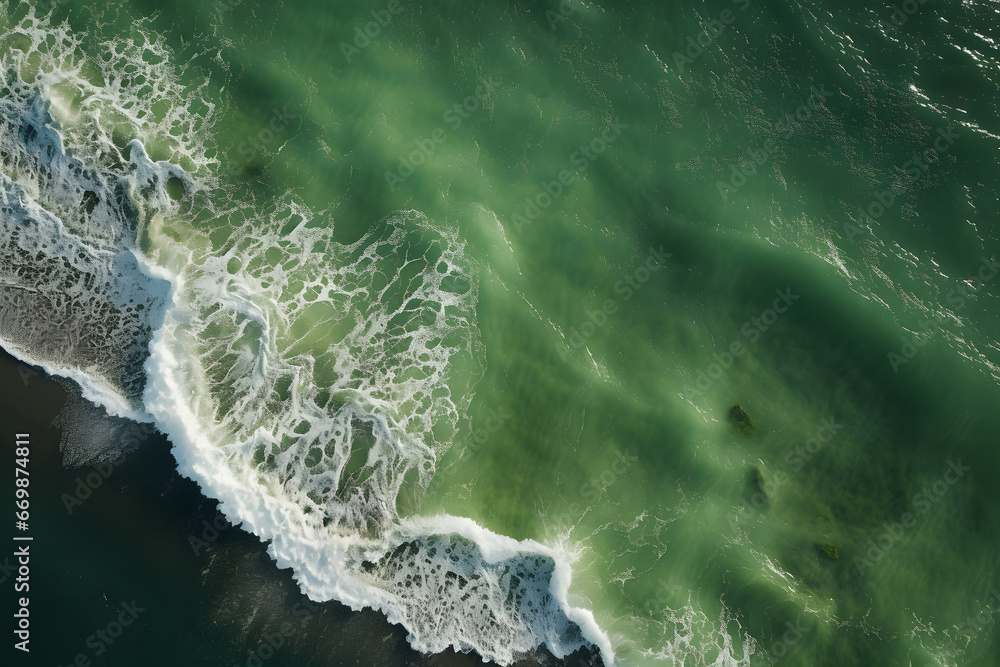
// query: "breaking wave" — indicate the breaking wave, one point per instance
point(303, 382)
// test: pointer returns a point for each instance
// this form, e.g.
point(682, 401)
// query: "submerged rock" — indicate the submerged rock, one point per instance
point(757, 492)
point(756, 479)
point(828, 550)
point(743, 422)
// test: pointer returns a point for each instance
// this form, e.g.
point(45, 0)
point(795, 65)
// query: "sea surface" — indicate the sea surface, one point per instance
point(621, 333)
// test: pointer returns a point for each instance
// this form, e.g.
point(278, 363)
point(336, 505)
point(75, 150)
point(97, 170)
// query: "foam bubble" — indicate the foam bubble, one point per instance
point(303, 382)
point(687, 635)
point(78, 305)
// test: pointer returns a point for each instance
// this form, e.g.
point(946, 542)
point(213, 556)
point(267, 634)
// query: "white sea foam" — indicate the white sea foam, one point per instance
point(303, 382)
point(687, 635)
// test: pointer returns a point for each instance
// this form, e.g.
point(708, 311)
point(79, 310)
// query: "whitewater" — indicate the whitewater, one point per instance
point(303, 382)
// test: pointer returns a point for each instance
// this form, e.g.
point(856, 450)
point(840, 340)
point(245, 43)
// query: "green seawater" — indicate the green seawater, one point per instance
point(703, 249)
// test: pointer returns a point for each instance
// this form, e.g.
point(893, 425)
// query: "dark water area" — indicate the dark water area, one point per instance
point(137, 548)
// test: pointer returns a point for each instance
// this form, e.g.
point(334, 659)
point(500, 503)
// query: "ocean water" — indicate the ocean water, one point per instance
point(449, 306)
